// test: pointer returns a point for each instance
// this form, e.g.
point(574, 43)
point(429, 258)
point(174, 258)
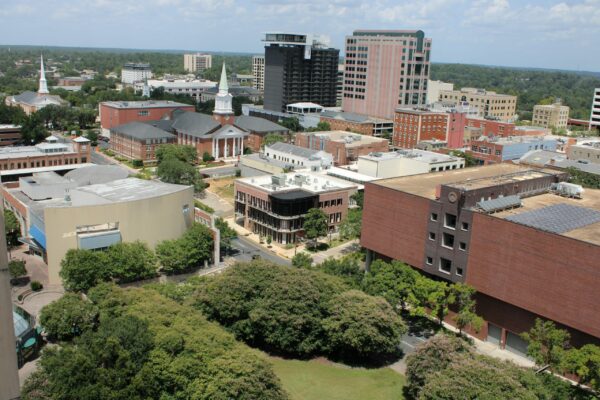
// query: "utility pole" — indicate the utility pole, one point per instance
point(9, 371)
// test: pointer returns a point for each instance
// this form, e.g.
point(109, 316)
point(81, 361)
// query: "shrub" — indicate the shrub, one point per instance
point(137, 163)
point(36, 286)
point(17, 269)
point(302, 260)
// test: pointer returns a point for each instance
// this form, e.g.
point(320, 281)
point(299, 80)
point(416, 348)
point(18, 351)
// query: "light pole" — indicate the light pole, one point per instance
point(9, 371)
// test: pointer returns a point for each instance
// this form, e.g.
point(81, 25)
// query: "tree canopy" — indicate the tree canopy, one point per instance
point(315, 224)
point(187, 252)
point(299, 312)
point(146, 346)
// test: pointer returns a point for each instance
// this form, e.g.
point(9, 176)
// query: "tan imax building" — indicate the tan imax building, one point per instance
point(90, 209)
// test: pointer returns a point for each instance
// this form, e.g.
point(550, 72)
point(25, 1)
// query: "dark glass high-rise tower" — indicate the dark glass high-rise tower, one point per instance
point(299, 68)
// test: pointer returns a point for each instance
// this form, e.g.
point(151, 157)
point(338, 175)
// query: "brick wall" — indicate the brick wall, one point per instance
point(111, 116)
point(340, 125)
point(395, 224)
point(547, 274)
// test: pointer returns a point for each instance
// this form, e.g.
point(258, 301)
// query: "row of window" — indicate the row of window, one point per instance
point(330, 203)
point(42, 163)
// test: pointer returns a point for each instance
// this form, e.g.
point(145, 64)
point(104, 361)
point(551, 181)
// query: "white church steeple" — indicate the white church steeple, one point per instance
point(223, 111)
point(43, 85)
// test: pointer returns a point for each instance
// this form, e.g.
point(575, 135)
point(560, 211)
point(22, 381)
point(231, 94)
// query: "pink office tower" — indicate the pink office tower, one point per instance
point(385, 70)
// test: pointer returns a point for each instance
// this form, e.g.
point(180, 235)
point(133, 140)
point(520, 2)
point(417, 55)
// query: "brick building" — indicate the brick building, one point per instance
point(365, 125)
point(275, 205)
point(115, 113)
point(138, 141)
point(497, 150)
point(48, 155)
point(9, 134)
point(503, 229)
point(344, 146)
point(490, 127)
point(412, 126)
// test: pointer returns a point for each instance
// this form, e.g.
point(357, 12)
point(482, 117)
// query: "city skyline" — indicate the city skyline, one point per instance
point(530, 33)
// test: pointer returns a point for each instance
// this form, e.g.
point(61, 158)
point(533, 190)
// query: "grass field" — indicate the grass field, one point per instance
point(311, 380)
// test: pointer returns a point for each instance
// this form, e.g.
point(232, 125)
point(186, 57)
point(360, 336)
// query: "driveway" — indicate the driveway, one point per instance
point(222, 208)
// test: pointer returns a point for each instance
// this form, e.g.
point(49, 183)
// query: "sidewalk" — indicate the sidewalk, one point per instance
point(281, 251)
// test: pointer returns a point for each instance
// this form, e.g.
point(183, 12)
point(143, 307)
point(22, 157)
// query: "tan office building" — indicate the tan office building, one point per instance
point(551, 115)
point(489, 104)
point(197, 62)
point(258, 70)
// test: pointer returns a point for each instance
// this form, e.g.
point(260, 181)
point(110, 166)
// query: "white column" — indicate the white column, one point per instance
point(217, 156)
point(226, 147)
point(213, 147)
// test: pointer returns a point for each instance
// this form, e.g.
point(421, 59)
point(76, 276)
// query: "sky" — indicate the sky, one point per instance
point(562, 34)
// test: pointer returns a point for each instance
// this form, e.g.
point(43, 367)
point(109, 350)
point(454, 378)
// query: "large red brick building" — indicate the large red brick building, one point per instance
point(344, 146)
point(503, 229)
point(414, 125)
point(116, 113)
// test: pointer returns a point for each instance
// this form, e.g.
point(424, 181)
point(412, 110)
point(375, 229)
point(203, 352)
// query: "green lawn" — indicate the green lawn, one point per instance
point(311, 380)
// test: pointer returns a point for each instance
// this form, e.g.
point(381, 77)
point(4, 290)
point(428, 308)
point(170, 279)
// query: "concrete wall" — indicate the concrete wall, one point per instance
point(148, 220)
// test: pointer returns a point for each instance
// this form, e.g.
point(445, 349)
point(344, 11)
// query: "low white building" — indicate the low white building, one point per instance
point(298, 157)
point(406, 162)
point(187, 87)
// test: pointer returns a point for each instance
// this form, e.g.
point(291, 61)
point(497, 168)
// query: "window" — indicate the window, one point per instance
point(450, 221)
point(429, 261)
point(143, 113)
point(448, 240)
point(431, 235)
point(445, 265)
point(462, 246)
point(465, 226)
point(459, 271)
point(433, 216)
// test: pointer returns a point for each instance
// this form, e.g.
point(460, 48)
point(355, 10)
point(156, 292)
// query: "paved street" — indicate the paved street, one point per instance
point(246, 249)
point(98, 158)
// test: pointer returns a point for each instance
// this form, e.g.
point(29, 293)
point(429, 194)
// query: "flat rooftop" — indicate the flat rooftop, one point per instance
point(144, 104)
point(590, 200)
point(309, 182)
point(129, 189)
point(425, 185)
point(350, 139)
point(425, 156)
point(39, 150)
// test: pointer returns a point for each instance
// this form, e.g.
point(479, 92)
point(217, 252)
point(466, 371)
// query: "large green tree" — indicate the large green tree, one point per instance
point(585, 363)
point(350, 227)
point(173, 170)
point(362, 327)
point(227, 234)
point(68, 317)
point(315, 224)
point(465, 305)
point(84, 269)
point(546, 343)
point(187, 252)
point(131, 262)
point(393, 281)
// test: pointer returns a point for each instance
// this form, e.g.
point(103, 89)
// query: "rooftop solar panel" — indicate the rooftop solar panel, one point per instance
point(559, 218)
point(501, 203)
